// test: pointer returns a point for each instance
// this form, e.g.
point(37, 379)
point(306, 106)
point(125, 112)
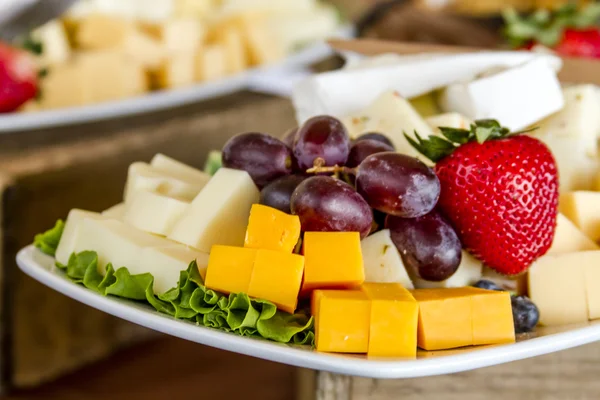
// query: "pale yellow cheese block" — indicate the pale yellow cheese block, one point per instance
point(66, 246)
point(569, 239)
point(54, 41)
point(117, 211)
point(153, 212)
point(211, 63)
point(64, 87)
point(231, 38)
point(583, 209)
point(177, 70)
point(178, 34)
point(101, 31)
point(170, 166)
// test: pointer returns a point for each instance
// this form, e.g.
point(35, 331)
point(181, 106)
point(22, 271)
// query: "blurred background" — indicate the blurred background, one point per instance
point(89, 86)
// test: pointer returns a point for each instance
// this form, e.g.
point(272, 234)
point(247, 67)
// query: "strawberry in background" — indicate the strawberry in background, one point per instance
point(568, 31)
point(18, 78)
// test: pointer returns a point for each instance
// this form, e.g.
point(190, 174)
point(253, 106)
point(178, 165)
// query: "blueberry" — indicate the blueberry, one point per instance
point(488, 285)
point(525, 314)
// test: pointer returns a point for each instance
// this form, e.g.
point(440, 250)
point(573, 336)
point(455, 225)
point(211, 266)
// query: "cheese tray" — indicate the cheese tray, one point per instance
point(406, 235)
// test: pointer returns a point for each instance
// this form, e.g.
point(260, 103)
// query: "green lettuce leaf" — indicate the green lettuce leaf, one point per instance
point(47, 242)
point(191, 300)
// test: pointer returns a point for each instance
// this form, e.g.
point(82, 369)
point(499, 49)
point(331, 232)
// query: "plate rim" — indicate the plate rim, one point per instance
point(287, 354)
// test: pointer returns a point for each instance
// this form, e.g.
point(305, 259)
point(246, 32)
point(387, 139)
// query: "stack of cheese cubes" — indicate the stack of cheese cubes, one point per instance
point(105, 50)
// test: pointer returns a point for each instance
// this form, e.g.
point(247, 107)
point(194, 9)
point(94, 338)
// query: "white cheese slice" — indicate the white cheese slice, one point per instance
point(165, 264)
point(342, 92)
point(392, 115)
point(153, 212)
point(115, 242)
point(583, 209)
point(449, 120)
point(517, 97)
point(569, 239)
point(142, 176)
point(55, 45)
point(578, 119)
point(557, 286)
point(382, 261)
point(66, 246)
point(468, 272)
point(219, 214)
point(117, 211)
point(178, 169)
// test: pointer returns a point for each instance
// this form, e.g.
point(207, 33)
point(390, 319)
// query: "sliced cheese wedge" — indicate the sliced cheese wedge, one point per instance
point(142, 176)
point(382, 262)
point(165, 264)
point(569, 239)
point(117, 211)
point(219, 214)
point(153, 212)
point(178, 169)
point(583, 209)
point(115, 242)
point(66, 246)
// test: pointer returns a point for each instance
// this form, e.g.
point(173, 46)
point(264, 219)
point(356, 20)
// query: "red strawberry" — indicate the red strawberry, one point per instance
point(499, 190)
point(18, 78)
point(569, 31)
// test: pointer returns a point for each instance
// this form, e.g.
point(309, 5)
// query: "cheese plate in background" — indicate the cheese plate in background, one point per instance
point(543, 341)
point(165, 99)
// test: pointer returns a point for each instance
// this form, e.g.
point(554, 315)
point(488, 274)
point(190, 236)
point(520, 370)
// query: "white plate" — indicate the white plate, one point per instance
point(41, 268)
point(250, 79)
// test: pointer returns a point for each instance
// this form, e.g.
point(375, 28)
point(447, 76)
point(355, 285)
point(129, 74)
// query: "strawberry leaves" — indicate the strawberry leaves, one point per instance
point(546, 27)
point(436, 148)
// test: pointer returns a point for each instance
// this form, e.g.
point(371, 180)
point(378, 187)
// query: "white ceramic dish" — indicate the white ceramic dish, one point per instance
point(545, 340)
point(251, 79)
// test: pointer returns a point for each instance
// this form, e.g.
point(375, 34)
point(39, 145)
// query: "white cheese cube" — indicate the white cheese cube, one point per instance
point(66, 246)
point(468, 272)
point(557, 286)
point(569, 239)
point(55, 45)
point(153, 212)
point(231, 38)
point(517, 97)
point(578, 119)
point(144, 49)
point(165, 264)
point(219, 214)
point(181, 34)
point(426, 105)
point(382, 261)
point(116, 243)
point(116, 212)
point(103, 31)
point(177, 70)
point(170, 166)
point(211, 63)
point(449, 120)
point(392, 115)
point(583, 209)
point(142, 176)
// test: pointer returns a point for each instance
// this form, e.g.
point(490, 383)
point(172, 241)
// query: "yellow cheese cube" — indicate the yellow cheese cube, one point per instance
point(492, 317)
point(444, 318)
point(393, 322)
point(177, 70)
point(341, 320)
point(332, 260)
point(182, 34)
point(277, 277)
point(64, 87)
point(211, 63)
point(271, 229)
point(229, 269)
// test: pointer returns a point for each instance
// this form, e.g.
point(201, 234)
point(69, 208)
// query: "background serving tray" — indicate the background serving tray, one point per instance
point(545, 340)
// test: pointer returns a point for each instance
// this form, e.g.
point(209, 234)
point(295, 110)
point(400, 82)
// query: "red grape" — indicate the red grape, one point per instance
point(363, 149)
point(277, 194)
point(376, 136)
point(321, 137)
point(428, 245)
point(398, 184)
point(264, 157)
point(326, 204)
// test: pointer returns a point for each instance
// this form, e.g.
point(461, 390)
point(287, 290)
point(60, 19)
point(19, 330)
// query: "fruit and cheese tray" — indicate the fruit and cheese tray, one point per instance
point(167, 52)
point(424, 206)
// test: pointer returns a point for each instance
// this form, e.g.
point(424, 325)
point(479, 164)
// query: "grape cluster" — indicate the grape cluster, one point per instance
point(337, 184)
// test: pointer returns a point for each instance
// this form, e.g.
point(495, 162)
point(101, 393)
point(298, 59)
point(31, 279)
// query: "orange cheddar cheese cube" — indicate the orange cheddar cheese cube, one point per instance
point(271, 229)
point(277, 277)
point(332, 260)
point(444, 318)
point(492, 317)
point(341, 320)
point(230, 269)
point(394, 320)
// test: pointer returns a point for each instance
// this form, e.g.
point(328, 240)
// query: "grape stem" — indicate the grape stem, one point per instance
point(336, 169)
